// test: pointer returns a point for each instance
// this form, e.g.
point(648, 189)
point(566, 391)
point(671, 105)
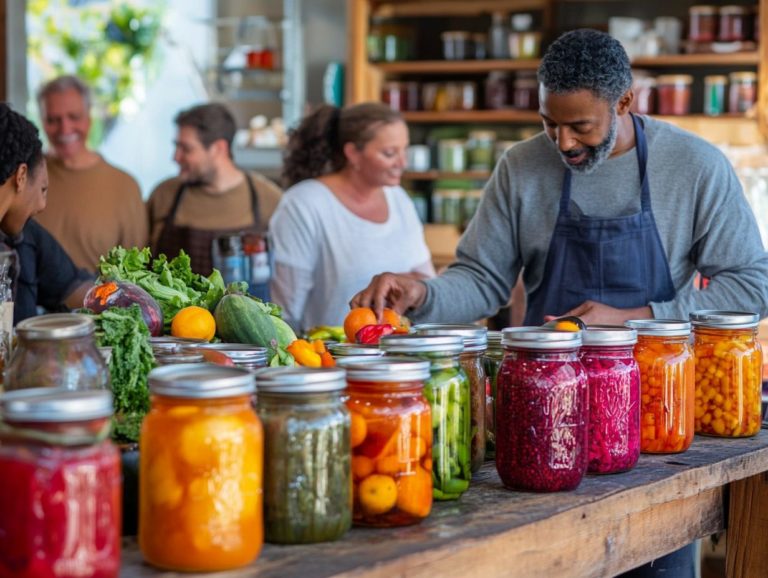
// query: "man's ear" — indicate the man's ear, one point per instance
point(221, 148)
point(622, 107)
point(21, 176)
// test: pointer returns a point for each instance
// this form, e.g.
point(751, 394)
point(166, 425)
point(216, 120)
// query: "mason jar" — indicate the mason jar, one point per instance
point(475, 343)
point(447, 391)
point(353, 350)
point(729, 364)
point(607, 353)
point(492, 362)
point(542, 411)
point(200, 470)
point(56, 350)
point(667, 373)
point(391, 438)
point(60, 485)
point(250, 357)
point(308, 489)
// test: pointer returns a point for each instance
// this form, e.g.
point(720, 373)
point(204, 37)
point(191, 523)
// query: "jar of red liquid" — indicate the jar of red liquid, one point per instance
point(742, 93)
point(735, 23)
point(542, 411)
point(729, 363)
point(702, 23)
point(401, 96)
point(391, 437)
point(60, 485)
point(614, 398)
point(674, 94)
point(666, 362)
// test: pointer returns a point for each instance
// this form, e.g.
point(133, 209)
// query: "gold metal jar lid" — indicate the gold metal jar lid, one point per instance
point(703, 10)
point(743, 76)
point(676, 79)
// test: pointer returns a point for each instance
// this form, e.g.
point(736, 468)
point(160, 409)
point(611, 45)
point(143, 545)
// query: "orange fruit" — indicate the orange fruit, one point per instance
point(356, 319)
point(362, 467)
point(378, 494)
point(358, 429)
point(567, 325)
point(414, 493)
point(193, 321)
point(391, 317)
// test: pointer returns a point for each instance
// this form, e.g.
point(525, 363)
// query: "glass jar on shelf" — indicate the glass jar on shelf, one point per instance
point(461, 95)
point(703, 23)
point(714, 94)
point(401, 96)
point(525, 92)
point(498, 36)
point(452, 155)
point(735, 23)
point(742, 94)
point(497, 90)
point(456, 44)
point(446, 206)
point(674, 94)
point(492, 359)
point(644, 88)
point(480, 150)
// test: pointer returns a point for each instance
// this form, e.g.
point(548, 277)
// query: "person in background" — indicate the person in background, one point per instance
point(619, 233)
point(211, 197)
point(92, 205)
point(345, 216)
point(43, 274)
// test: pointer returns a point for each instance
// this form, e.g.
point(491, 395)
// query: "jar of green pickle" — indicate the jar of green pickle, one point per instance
point(492, 359)
point(480, 150)
point(447, 391)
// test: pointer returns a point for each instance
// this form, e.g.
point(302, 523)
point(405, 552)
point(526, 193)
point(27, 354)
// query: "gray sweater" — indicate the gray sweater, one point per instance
point(701, 213)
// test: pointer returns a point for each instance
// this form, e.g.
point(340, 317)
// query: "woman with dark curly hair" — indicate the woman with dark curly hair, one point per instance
point(345, 216)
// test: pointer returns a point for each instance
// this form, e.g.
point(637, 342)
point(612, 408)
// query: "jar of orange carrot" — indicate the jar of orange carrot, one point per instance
point(729, 363)
point(665, 358)
point(391, 437)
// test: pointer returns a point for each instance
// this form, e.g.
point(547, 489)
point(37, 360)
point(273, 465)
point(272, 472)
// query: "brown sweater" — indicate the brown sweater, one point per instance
point(91, 210)
point(206, 210)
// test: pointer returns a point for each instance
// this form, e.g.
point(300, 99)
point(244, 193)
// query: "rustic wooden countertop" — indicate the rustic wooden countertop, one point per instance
point(608, 525)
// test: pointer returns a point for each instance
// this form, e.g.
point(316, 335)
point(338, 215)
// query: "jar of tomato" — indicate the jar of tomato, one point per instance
point(391, 440)
point(447, 391)
point(729, 362)
point(542, 411)
point(614, 398)
point(60, 485)
point(200, 469)
point(666, 363)
point(308, 491)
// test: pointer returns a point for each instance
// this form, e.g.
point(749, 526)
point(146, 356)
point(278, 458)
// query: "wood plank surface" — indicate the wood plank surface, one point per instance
point(748, 517)
point(606, 526)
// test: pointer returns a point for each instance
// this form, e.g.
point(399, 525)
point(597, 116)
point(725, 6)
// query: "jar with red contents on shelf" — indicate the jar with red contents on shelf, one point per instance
point(391, 440)
point(644, 102)
point(525, 93)
point(702, 23)
point(735, 24)
point(542, 411)
point(614, 398)
point(60, 486)
point(742, 93)
point(674, 94)
point(729, 363)
point(401, 96)
point(667, 372)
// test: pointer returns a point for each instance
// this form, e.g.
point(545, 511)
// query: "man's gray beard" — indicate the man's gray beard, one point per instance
point(597, 154)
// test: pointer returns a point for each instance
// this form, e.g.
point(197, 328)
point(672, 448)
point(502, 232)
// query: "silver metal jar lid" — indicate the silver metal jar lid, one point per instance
point(237, 352)
point(300, 380)
point(55, 405)
point(540, 338)
point(475, 337)
point(724, 319)
point(413, 343)
point(349, 349)
point(383, 369)
point(56, 326)
point(494, 339)
point(172, 356)
point(200, 381)
point(166, 342)
point(660, 327)
point(608, 335)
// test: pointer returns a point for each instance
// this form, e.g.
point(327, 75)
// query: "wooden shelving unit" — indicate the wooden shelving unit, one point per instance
point(411, 8)
point(472, 116)
point(438, 175)
point(427, 67)
point(684, 60)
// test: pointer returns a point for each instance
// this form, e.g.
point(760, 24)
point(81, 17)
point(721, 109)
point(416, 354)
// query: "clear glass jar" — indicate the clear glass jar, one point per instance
point(666, 362)
point(614, 398)
point(644, 102)
point(735, 23)
point(525, 93)
point(497, 90)
point(729, 363)
point(60, 485)
point(401, 96)
point(447, 391)
point(168, 344)
point(542, 411)
point(250, 357)
point(456, 45)
point(480, 150)
point(714, 94)
point(177, 356)
point(452, 155)
point(492, 361)
point(392, 465)
point(702, 23)
point(56, 350)
point(674, 94)
point(446, 206)
point(308, 492)
point(354, 350)
point(742, 94)
point(471, 359)
point(200, 470)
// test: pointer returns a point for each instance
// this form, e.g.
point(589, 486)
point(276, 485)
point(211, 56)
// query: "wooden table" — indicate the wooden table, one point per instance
point(608, 525)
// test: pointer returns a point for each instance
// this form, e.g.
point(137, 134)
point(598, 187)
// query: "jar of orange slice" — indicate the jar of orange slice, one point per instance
point(665, 359)
point(391, 438)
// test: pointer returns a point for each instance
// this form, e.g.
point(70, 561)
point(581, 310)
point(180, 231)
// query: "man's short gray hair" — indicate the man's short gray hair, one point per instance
point(61, 84)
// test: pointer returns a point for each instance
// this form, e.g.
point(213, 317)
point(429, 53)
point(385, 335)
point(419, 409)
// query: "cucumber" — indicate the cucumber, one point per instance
point(239, 319)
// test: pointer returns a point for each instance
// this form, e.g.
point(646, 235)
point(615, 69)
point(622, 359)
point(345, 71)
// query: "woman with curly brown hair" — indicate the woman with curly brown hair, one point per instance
point(345, 216)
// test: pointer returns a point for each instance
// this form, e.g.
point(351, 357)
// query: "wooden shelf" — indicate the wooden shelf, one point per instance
point(478, 116)
point(435, 175)
point(406, 8)
point(682, 60)
point(455, 66)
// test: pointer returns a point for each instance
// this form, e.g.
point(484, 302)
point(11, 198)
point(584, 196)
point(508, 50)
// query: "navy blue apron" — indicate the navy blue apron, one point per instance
point(617, 261)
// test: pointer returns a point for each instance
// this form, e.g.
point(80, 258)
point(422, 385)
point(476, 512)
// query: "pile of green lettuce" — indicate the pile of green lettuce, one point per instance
point(171, 283)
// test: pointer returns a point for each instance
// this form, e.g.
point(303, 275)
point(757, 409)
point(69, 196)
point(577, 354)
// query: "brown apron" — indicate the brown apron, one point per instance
point(197, 243)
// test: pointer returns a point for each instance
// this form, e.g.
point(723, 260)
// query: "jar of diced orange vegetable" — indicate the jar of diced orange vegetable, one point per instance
point(665, 358)
point(729, 363)
point(200, 469)
point(391, 438)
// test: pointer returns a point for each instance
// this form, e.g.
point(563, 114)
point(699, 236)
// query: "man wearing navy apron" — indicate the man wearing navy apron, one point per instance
point(620, 233)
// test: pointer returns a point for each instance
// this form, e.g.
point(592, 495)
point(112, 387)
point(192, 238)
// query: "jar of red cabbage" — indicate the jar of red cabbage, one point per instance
point(542, 410)
point(614, 398)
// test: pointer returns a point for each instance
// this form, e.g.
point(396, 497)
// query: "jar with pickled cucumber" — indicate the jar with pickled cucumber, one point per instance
point(729, 363)
point(614, 398)
point(667, 386)
point(492, 362)
point(471, 360)
point(308, 491)
point(542, 411)
point(391, 438)
point(200, 469)
point(447, 391)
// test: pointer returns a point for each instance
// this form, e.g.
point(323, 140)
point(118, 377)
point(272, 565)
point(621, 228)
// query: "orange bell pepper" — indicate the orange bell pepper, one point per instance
point(304, 354)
